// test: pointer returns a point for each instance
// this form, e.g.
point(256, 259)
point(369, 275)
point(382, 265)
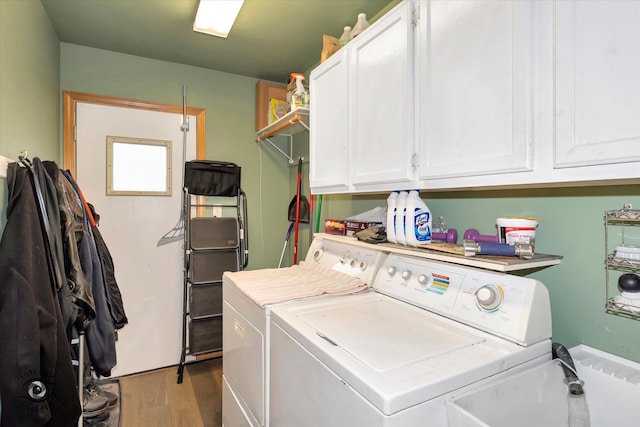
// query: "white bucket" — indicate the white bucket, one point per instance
point(512, 230)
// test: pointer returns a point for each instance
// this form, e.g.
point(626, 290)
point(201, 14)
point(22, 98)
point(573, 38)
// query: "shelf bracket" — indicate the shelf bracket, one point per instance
point(288, 125)
point(288, 156)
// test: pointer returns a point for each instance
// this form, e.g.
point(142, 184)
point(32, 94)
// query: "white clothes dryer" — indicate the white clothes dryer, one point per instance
point(391, 357)
point(331, 268)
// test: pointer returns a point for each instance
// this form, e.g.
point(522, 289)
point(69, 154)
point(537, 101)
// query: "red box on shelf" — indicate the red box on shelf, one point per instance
point(335, 226)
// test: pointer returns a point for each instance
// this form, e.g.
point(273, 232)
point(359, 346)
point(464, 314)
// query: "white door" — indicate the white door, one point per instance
point(329, 161)
point(381, 101)
point(149, 276)
point(475, 74)
point(597, 105)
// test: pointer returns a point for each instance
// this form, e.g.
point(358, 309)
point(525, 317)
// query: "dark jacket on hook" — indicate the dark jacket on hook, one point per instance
point(114, 297)
point(37, 381)
point(71, 228)
point(100, 333)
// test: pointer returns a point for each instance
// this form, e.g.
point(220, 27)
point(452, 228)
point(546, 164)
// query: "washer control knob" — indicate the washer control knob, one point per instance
point(406, 274)
point(343, 260)
point(488, 297)
point(317, 254)
point(363, 265)
point(391, 271)
point(423, 279)
point(353, 262)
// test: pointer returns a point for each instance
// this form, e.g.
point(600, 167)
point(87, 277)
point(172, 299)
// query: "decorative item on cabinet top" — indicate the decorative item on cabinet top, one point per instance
point(622, 264)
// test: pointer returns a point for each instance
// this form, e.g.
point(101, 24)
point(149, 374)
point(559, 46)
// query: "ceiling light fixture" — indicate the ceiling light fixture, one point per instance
point(216, 17)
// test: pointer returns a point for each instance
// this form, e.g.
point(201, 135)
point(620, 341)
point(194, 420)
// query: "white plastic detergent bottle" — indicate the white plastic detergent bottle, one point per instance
point(417, 220)
point(391, 216)
point(401, 204)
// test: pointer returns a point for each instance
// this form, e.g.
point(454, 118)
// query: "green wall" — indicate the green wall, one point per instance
point(229, 101)
point(570, 224)
point(29, 91)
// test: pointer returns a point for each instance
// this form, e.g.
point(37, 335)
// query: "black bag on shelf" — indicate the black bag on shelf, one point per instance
point(212, 178)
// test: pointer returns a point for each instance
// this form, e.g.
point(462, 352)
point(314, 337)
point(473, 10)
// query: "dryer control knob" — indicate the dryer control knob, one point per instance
point(488, 297)
point(406, 274)
point(391, 271)
point(423, 279)
point(317, 254)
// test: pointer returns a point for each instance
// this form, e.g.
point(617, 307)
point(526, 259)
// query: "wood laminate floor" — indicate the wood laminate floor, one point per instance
point(155, 399)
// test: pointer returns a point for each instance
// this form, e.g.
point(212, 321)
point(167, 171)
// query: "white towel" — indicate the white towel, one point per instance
point(272, 285)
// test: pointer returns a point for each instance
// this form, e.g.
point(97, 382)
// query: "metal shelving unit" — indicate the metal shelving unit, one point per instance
point(627, 222)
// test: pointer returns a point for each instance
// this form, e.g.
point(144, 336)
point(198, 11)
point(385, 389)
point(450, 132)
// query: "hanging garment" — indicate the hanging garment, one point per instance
point(37, 381)
point(100, 333)
point(71, 228)
point(113, 295)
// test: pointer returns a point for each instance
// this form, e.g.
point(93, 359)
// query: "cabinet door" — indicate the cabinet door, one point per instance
point(328, 123)
point(475, 78)
point(380, 88)
point(597, 82)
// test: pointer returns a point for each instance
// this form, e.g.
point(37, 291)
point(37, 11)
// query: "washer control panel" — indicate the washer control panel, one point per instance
point(353, 259)
point(513, 307)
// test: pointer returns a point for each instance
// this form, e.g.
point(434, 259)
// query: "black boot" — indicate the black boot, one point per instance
point(96, 389)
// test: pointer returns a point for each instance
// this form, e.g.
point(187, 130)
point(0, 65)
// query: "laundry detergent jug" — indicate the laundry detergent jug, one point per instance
point(401, 205)
point(417, 220)
point(391, 216)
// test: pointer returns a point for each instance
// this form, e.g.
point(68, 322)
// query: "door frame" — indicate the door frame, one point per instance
point(70, 99)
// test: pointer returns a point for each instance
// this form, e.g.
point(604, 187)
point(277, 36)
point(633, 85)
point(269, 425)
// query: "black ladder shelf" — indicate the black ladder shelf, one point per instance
point(212, 245)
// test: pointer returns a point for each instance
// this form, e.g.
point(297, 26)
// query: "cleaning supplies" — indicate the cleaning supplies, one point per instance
point(361, 25)
point(297, 95)
point(391, 216)
point(417, 220)
point(401, 204)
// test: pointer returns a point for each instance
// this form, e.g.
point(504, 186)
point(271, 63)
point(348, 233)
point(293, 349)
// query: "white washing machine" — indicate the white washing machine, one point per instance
point(392, 357)
point(330, 268)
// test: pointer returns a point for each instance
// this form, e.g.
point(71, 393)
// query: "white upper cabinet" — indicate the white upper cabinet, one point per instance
point(362, 110)
point(597, 83)
point(465, 94)
point(381, 102)
point(328, 120)
point(475, 81)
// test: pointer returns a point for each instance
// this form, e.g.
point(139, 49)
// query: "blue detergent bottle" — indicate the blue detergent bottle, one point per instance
point(418, 221)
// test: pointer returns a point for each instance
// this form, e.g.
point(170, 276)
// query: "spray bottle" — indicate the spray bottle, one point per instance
point(391, 216)
point(297, 95)
point(418, 221)
point(401, 205)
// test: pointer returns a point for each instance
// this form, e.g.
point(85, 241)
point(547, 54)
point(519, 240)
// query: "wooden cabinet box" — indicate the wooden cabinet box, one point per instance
point(266, 91)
